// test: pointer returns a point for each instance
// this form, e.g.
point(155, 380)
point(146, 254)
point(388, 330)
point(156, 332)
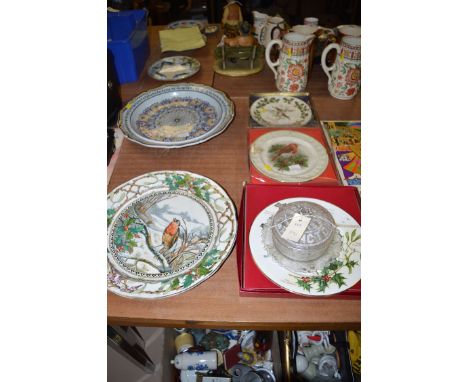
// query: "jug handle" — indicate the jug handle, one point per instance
point(271, 64)
point(328, 69)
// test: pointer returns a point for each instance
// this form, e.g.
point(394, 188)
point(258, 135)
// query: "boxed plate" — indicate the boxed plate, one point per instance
point(257, 198)
point(294, 156)
point(282, 110)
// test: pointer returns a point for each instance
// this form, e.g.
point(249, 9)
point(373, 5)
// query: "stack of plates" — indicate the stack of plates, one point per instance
point(168, 231)
point(174, 116)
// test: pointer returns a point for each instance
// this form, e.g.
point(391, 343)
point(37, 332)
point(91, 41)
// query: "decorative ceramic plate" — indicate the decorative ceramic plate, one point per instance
point(186, 24)
point(173, 116)
point(341, 273)
point(211, 29)
point(174, 68)
point(288, 156)
point(280, 111)
point(168, 231)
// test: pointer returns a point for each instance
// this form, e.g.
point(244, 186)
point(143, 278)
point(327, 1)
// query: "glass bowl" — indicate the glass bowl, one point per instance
point(316, 238)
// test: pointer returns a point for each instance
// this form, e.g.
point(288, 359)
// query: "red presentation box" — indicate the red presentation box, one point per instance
point(328, 177)
point(257, 197)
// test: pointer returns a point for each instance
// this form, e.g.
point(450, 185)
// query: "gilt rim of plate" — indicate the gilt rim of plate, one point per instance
point(186, 24)
point(224, 102)
point(260, 145)
point(159, 181)
point(156, 76)
point(297, 282)
point(263, 122)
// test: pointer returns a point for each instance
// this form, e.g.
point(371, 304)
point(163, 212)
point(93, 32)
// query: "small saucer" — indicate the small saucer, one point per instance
point(211, 29)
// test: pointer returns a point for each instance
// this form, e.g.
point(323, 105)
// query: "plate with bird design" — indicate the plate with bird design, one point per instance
point(174, 68)
point(175, 116)
point(280, 111)
point(288, 156)
point(168, 231)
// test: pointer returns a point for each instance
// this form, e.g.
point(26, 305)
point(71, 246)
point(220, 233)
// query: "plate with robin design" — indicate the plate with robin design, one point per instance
point(280, 110)
point(174, 116)
point(174, 68)
point(168, 231)
point(288, 156)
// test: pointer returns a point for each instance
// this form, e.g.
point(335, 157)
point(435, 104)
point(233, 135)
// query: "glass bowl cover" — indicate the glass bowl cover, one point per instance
point(316, 238)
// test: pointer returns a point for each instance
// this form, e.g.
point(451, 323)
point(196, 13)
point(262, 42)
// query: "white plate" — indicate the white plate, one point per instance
point(280, 110)
point(174, 116)
point(288, 156)
point(174, 68)
point(168, 231)
point(340, 275)
point(186, 24)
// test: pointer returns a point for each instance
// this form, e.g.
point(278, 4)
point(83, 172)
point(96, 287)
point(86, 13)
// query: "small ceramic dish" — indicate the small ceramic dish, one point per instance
point(211, 29)
point(174, 68)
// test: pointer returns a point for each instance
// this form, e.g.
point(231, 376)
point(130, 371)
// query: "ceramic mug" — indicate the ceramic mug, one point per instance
point(259, 25)
point(293, 62)
point(202, 360)
point(273, 29)
point(348, 30)
point(183, 342)
point(311, 21)
point(344, 76)
point(306, 30)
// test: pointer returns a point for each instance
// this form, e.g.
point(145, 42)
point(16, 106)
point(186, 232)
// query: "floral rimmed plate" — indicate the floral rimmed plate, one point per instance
point(280, 111)
point(186, 24)
point(174, 68)
point(168, 231)
point(288, 156)
point(174, 116)
point(336, 276)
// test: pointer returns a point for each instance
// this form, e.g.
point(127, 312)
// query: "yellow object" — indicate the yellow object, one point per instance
point(181, 39)
point(354, 339)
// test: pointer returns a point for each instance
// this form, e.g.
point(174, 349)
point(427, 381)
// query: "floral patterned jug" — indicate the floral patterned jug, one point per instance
point(293, 62)
point(344, 76)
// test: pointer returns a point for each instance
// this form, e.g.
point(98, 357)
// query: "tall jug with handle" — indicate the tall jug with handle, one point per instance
point(292, 67)
point(344, 76)
point(273, 28)
point(259, 24)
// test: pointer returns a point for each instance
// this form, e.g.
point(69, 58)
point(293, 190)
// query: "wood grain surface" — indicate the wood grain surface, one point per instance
point(216, 303)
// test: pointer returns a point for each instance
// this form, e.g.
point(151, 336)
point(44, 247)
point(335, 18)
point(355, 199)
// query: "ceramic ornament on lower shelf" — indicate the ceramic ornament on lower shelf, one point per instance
point(196, 361)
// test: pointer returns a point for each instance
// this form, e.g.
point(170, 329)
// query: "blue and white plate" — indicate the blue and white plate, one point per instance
point(174, 116)
point(186, 24)
point(174, 68)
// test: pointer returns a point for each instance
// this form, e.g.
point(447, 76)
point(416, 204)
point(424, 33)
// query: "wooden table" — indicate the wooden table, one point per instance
point(215, 303)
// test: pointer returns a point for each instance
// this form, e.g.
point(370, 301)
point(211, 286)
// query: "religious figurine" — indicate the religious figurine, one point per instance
point(244, 39)
point(232, 18)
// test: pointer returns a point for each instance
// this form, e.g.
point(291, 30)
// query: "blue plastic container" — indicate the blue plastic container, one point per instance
point(127, 39)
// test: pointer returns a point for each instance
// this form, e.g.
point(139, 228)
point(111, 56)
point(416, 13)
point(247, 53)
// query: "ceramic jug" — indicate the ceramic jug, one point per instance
point(344, 76)
point(259, 23)
point(273, 28)
point(293, 62)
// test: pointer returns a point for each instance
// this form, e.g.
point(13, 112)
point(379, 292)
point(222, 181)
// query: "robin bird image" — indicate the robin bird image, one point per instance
point(170, 235)
point(291, 148)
